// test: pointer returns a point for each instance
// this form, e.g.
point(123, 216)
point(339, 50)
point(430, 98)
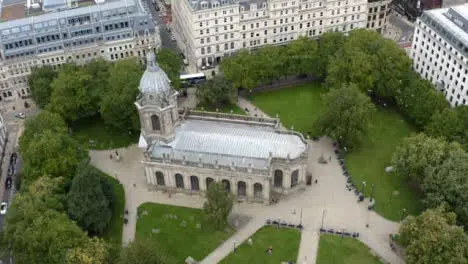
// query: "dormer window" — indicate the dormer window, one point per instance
point(242, 9)
point(253, 7)
point(204, 5)
point(264, 5)
point(223, 2)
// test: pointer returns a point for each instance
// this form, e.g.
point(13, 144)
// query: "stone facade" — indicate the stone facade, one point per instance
point(187, 151)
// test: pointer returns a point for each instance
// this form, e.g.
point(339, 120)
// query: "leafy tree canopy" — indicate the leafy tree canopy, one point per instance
point(171, 63)
point(451, 124)
point(93, 251)
point(142, 251)
point(301, 56)
point(72, 94)
point(86, 201)
point(242, 70)
point(433, 238)
point(328, 44)
point(346, 115)
point(117, 107)
point(218, 205)
point(216, 92)
point(416, 153)
point(51, 154)
point(39, 82)
point(41, 122)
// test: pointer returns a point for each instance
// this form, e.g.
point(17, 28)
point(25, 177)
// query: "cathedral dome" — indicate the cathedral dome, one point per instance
point(154, 79)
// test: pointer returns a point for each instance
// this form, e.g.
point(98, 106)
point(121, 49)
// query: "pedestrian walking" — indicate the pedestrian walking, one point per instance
point(110, 156)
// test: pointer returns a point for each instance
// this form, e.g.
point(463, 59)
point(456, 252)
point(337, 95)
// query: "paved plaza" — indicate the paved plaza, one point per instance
point(327, 200)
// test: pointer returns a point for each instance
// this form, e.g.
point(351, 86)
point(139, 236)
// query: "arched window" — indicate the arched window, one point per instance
point(179, 180)
point(258, 190)
point(278, 179)
point(160, 178)
point(294, 178)
point(209, 181)
point(241, 189)
point(194, 183)
point(155, 123)
point(227, 184)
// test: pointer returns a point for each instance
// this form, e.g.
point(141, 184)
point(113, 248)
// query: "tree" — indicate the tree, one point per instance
point(117, 107)
point(93, 251)
point(433, 238)
point(86, 201)
point(451, 124)
point(242, 69)
point(418, 100)
point(273, 59)
point(448, 184)
point(52, 154)
point(41, 122)
point(171, 63)
point(72, 95)
point(37, 231)
point(416, 153)
point(301, 56)
point(99, 71)
point(142, 251)
point(328, 44)
point(218, 205)
point(216, 92)
point(346, 115)
point(39, 82)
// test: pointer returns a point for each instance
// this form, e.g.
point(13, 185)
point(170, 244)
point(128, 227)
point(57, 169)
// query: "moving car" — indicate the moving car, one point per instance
point(11, 170)
point(8, 183)
point(13, 158)
point(3, 208)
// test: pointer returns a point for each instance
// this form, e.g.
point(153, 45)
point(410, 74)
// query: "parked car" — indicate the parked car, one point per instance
point(20, 115)
point(11, 170)
point(13, 158)
point(8, 183)
point(3, 208)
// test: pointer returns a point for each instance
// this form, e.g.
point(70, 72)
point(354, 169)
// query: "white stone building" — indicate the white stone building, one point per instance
point(378, 14)
point(208, 30)
point(440, 51)
point(3, 135)
point(188, 151)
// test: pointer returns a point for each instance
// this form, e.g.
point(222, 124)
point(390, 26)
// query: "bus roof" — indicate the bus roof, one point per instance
point(195, 75)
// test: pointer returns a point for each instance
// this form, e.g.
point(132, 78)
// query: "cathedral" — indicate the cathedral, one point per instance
point(186, 150)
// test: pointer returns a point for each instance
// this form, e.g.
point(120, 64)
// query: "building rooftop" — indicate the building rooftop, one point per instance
point(230, 144)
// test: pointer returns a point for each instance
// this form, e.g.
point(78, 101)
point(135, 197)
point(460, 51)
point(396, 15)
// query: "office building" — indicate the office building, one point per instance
point(111, 30)
point(378, 14)
point(210, 30)
point(440, 51)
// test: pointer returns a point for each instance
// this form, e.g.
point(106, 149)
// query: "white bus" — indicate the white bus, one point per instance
point(189, 80)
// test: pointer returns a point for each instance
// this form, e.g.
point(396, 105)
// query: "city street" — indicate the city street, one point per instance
point(166, 41)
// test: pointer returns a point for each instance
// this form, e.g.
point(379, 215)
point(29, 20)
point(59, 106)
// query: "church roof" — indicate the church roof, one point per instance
point(154, 79)
point(225, 143)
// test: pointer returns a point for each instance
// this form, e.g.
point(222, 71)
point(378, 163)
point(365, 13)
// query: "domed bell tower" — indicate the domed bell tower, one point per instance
point(156, 104)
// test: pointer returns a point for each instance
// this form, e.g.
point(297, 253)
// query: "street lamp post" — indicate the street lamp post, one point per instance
point(234, 249)
point(323, 217)
point(402, 214)
point(363, 187)
point(301, 218)
point(372, 192)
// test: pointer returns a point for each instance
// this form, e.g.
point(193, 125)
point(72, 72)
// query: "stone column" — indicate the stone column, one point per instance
point(147, 174)
point(286, 179)
point(250, 191)
point(202, 184)
point(234, 187)
point(168, 178)
point(187, 183)
point(266, 192)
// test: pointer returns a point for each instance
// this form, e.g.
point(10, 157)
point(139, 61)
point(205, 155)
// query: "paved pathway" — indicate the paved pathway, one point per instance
point(253, 110)
point(327, 200)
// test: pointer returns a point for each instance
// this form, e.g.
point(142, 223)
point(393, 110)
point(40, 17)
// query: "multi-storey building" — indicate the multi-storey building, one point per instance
point(113, 30)
point(378, 14)
point(210, 30)
point(3, 136)
point(440, 51)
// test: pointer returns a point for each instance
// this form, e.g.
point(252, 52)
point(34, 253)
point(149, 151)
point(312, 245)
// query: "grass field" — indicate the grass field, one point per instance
point(113, 232)
point(104, 137)
point(223, 109)
point(337, 250)
point(284, 242)
point(300, 106)
point(156, 222)
point(392, 193)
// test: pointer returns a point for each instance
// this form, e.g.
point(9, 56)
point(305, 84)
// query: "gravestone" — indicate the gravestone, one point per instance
point(250, 241)
point(198, 226)
point(192, 218)
point(145, 212)
point(183, 224)
point(155, 231)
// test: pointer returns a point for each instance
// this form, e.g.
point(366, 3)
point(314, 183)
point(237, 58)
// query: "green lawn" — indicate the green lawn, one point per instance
point(301, 105)
point(337, 250)
point(113, 232)
point(284, 242)
point(392, 193)
point(156, 222)
point(298, 106)
point(104, 137)
point(223, 109)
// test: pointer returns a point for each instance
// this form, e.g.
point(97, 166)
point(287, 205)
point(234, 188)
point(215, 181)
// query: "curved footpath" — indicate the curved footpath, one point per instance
point(328, 198)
